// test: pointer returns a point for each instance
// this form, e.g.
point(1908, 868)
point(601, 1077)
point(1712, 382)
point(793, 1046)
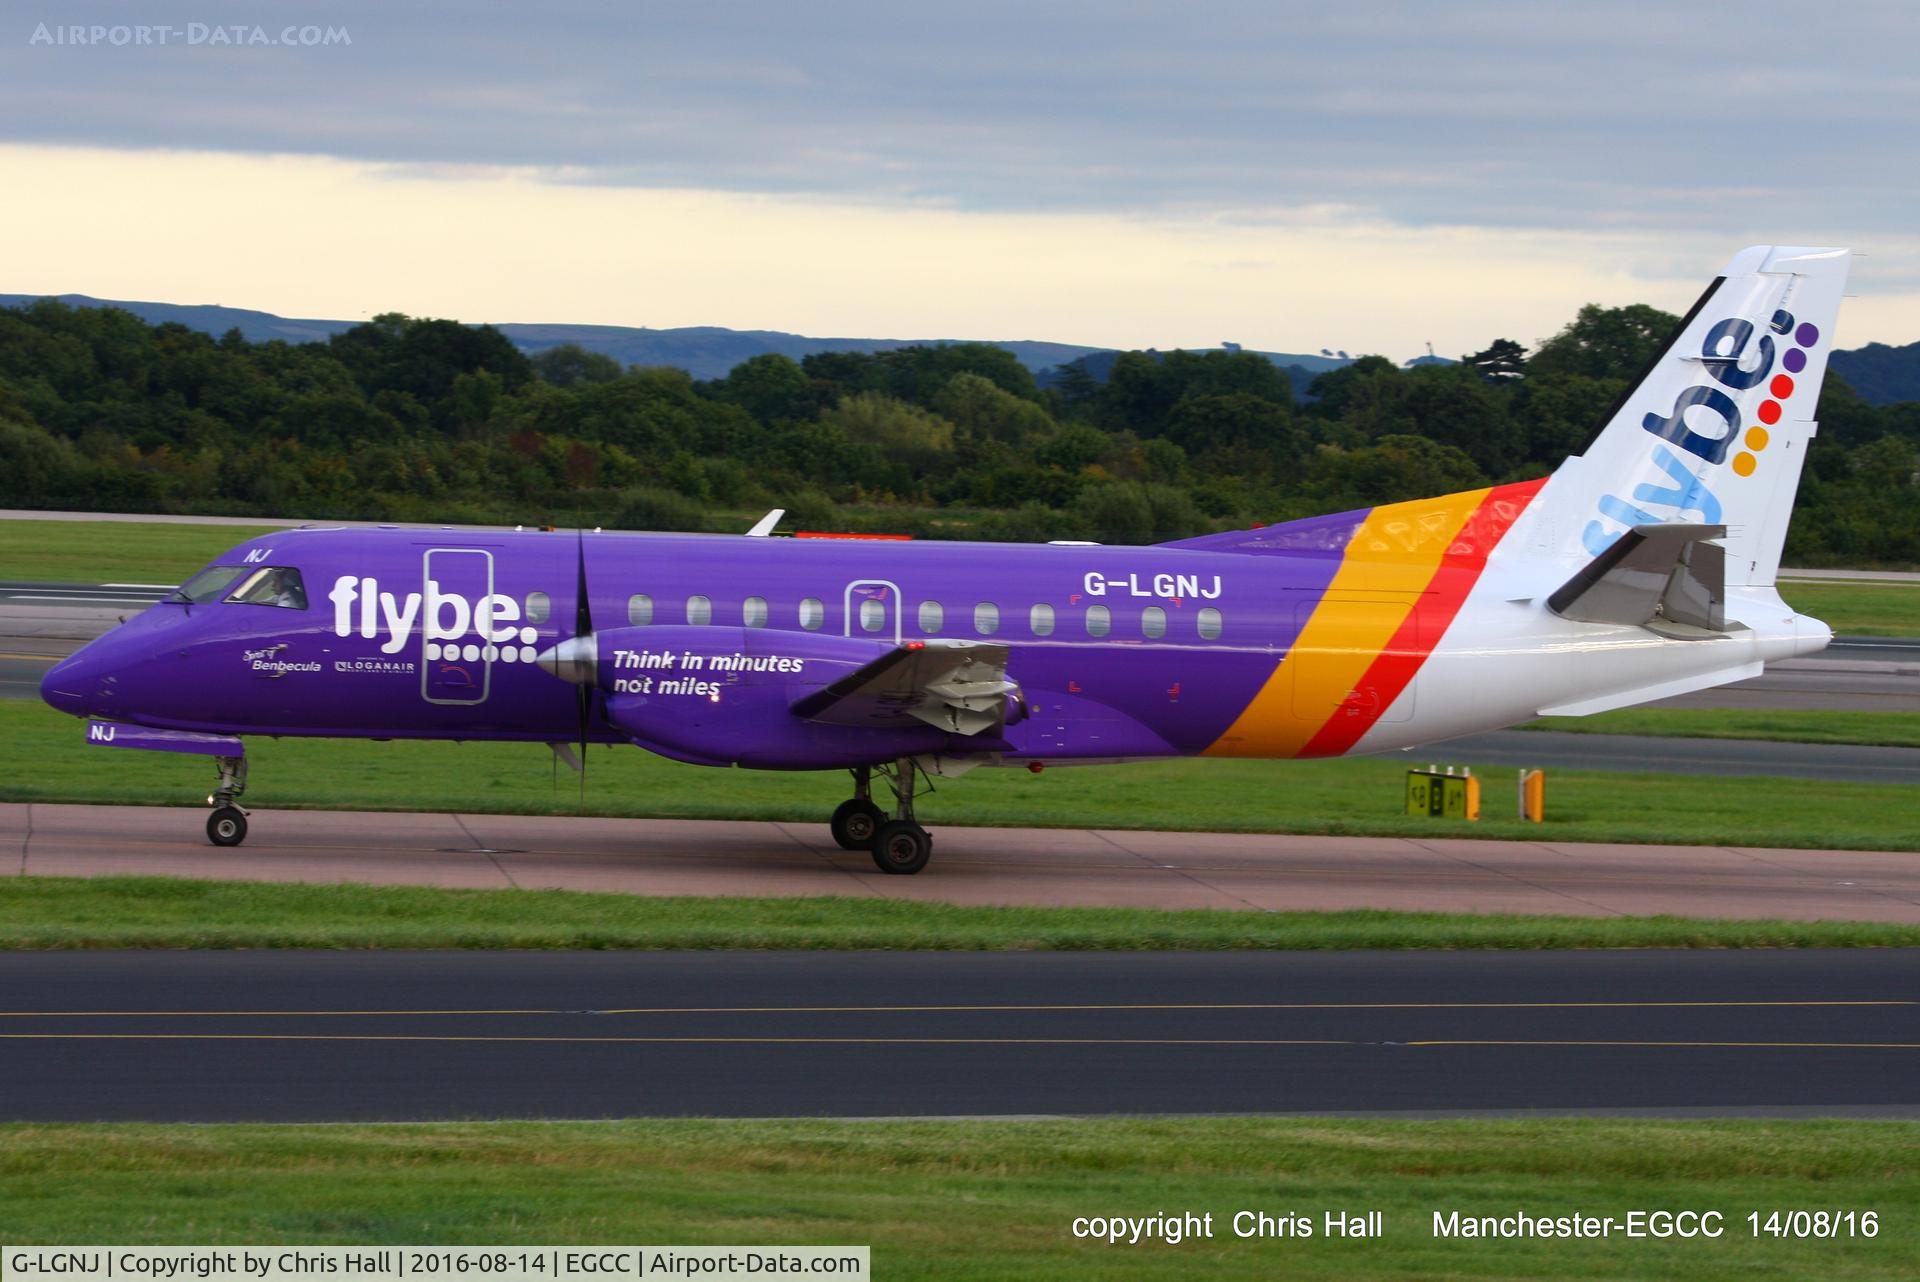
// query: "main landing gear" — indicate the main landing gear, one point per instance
point(898, 844)
point(227, 825)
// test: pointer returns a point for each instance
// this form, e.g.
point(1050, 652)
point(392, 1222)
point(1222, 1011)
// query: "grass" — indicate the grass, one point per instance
point(152, 552)
point(1859, 609)
point(1878, 729)
point(160, 912)
point(113, 551)
point(44, 758)
point(966, 1200)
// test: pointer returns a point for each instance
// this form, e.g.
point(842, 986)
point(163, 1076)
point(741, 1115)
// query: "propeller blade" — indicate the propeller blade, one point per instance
point(584, 694)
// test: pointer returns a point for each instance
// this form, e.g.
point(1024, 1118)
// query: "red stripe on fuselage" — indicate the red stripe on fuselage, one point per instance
point(1400, 659)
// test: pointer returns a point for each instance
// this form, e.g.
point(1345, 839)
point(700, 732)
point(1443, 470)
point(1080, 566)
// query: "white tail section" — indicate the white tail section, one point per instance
point(1716, 431)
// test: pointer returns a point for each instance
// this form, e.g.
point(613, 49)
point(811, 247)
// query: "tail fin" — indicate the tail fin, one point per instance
point(1716, 429)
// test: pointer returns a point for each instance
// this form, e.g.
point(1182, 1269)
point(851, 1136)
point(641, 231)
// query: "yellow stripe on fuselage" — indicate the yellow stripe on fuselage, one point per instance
point(1388, 563)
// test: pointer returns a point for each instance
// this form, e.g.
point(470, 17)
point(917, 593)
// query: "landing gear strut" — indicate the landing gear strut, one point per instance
point(900, 845)
point(227, 825)
point(857, 819)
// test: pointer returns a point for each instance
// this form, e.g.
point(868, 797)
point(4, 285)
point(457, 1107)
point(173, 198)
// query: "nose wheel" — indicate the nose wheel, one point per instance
point(227, 825)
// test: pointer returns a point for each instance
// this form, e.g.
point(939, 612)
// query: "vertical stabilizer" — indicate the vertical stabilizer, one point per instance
point(1716, 430)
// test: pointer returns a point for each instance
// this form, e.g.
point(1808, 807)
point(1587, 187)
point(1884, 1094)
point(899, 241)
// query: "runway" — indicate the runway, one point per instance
point(1034, 866)
point(289, 1036)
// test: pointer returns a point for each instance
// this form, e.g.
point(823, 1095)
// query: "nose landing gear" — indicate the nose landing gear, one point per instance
point(227, 825)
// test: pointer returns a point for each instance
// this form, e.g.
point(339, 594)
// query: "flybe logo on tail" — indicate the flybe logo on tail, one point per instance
point(360, 606)
point(1724, 353)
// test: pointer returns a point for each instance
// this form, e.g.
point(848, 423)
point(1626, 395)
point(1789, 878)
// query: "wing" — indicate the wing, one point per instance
point(958, 686)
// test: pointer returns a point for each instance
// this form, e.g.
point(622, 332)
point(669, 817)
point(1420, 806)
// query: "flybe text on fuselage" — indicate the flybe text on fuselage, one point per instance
point(359, 606)
point(1171, 586)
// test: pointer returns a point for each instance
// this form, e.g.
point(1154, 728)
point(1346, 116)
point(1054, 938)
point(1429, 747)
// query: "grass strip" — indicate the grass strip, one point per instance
point(113, 551)
point(1883, 609)
point(161, 912)
point(966, 1200)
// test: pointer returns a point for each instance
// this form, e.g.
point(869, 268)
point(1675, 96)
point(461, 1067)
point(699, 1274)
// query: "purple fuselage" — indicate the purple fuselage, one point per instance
point(1117, 652)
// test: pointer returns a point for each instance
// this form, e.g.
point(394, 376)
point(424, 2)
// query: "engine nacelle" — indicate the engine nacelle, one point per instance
point(724, 696)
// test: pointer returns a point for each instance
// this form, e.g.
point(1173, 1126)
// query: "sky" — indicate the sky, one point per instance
point(1366, 177)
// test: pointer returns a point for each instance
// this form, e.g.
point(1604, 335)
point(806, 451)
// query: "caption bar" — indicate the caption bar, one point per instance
point(421, 1263)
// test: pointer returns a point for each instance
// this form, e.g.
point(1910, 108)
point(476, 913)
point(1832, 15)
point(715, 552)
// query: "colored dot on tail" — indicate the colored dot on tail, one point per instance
point(1781, 386)
point(1769, 411)
point(1806, 335)
point(1757, 438)
point(1795, 361)
point(1743, 464)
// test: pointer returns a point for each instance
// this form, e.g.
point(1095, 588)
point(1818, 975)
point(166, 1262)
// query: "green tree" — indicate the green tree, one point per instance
point(1392, 470)
point(1606, 342)
point(906, 433)
point(1502, 361)
point(770, 387)
point(569, 365)
point(980, 406)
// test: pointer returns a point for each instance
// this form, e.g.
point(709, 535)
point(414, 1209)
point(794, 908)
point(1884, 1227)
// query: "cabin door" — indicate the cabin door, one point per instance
point(873, 610)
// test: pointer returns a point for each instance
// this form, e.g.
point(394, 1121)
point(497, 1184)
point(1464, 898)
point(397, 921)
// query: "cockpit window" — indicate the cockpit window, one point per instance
point(208, 585)
point(272, 585)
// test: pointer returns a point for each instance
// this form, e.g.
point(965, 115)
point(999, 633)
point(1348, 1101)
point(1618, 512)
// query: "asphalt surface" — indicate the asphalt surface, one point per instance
point(1032, 866)
point(1838, 762)
point(297, 1036)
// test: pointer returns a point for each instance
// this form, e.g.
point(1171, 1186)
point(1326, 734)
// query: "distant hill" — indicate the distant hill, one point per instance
point(1881, 374)
point(704, 351)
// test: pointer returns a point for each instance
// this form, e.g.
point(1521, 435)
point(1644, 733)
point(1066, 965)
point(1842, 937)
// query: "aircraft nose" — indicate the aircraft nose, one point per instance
point(70, 684)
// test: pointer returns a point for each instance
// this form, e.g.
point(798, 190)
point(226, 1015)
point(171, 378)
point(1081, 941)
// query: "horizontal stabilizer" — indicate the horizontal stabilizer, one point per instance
point(1668, 577)
point(953, 685)
point(1659, 690)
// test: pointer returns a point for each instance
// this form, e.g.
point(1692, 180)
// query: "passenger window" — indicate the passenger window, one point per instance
point(1099, 620)
point(933, 616)
point(986, 618)
point(639, 609)
point(280, 586)
point(539, 607)
point(812, 614)
point(208, 585)
point(873, 616)
point(699, 610)
point(753, 612)
point(1153, 621)
point(1209, 624)
point(1040, 619)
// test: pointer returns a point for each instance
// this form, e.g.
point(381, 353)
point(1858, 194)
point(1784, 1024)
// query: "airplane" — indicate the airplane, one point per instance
point(1642, 568)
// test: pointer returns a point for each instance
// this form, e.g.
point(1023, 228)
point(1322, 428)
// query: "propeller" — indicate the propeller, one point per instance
point(584, 692)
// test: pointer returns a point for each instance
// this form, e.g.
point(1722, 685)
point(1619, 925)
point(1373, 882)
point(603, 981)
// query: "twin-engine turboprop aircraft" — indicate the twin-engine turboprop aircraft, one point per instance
point(1642, 568)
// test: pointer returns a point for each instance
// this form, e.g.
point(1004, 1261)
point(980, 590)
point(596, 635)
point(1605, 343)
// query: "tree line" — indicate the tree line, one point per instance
point(432, 420)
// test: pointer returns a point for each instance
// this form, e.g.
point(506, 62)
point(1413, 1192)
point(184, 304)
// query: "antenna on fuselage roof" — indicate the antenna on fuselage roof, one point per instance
point(764, 526)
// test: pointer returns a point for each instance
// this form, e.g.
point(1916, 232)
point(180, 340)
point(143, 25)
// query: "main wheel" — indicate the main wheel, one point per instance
point(901, 846)
point(855, 822)
point(227, 826)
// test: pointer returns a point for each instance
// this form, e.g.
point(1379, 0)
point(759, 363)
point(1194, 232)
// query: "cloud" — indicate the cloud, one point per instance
point(1740, 122)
